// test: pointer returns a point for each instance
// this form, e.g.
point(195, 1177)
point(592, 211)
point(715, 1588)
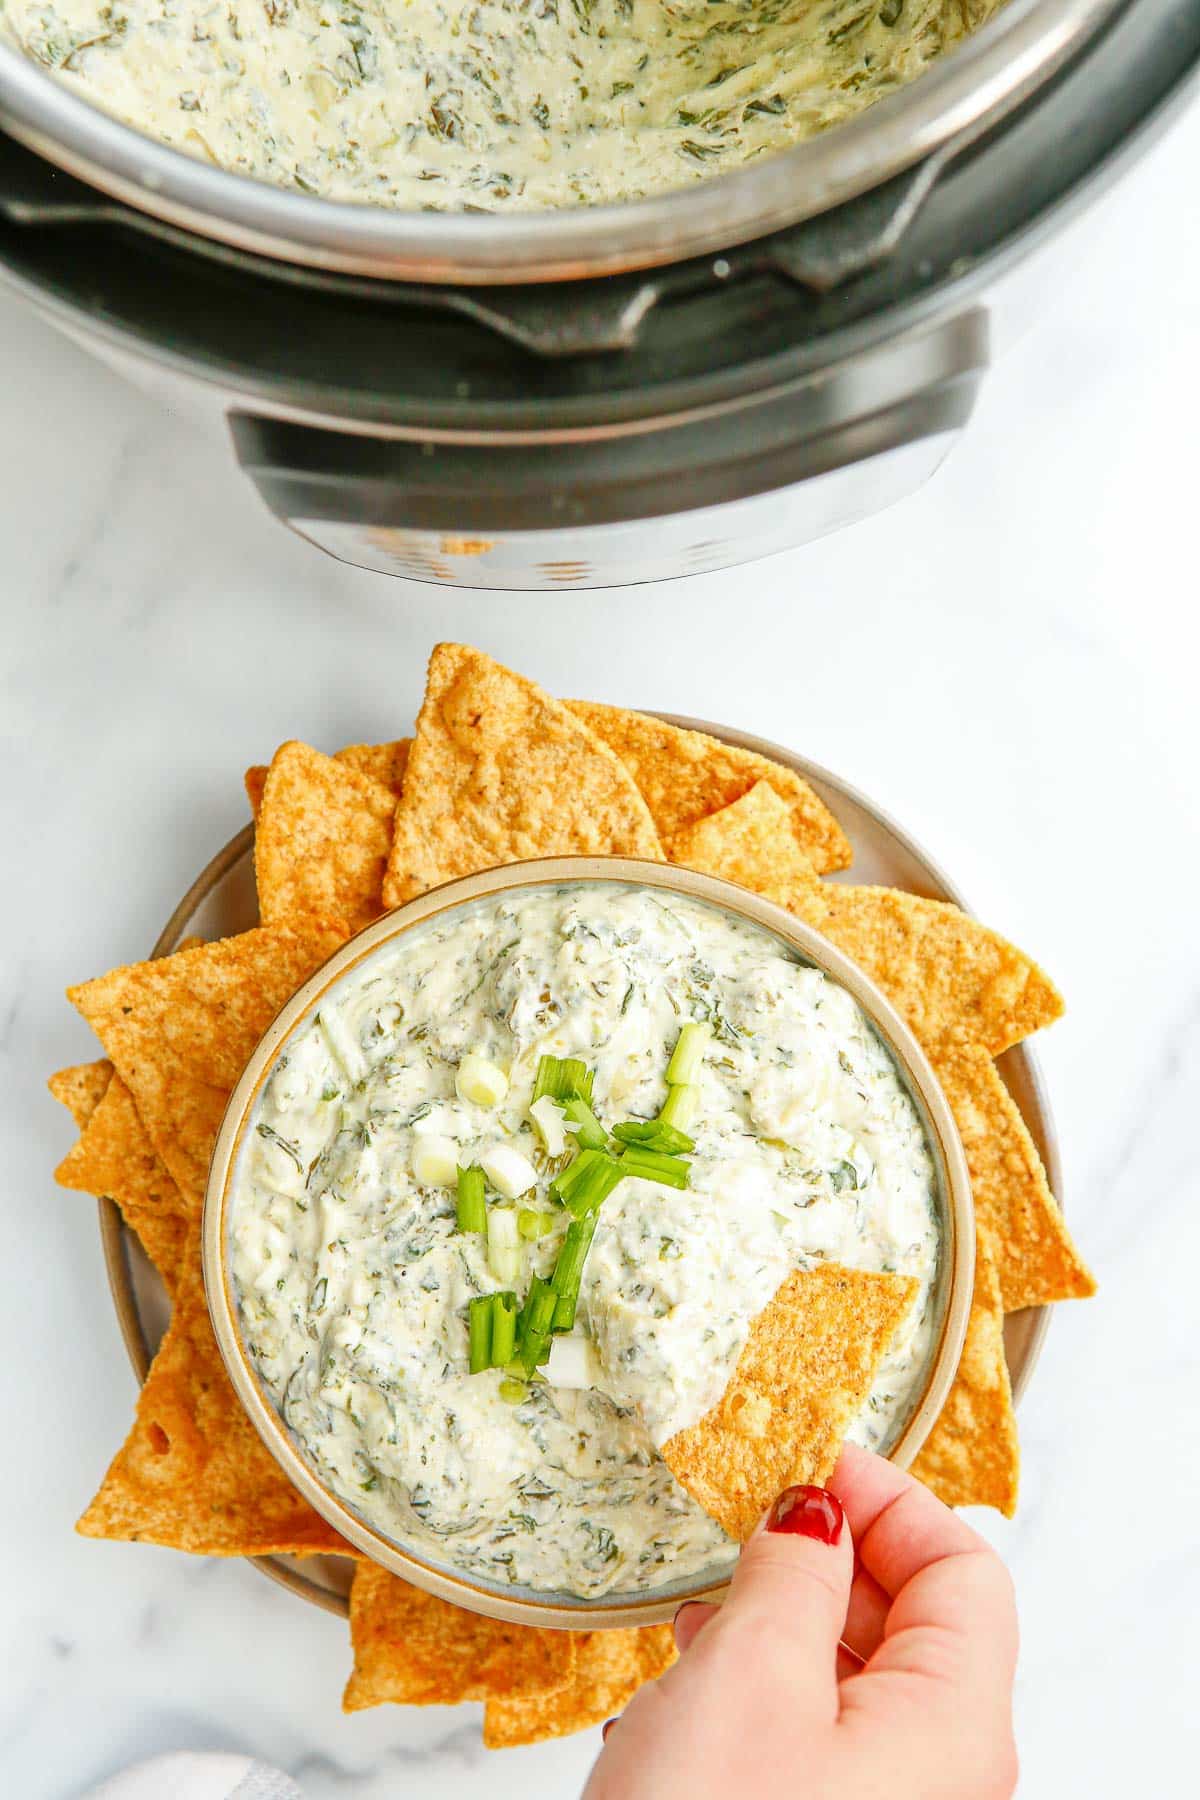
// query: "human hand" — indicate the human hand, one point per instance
point(866, 1650)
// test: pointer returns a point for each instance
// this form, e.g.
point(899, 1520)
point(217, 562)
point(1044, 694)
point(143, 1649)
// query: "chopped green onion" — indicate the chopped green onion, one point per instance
point(570, 1179)
point(672, 1171)
point(540, 1311)
point(681, 1105)
point(513, 1392)
point(547, 1116)
point(532, 1224)
point(537, 1317)
point(564, 1312)
point(508, 1171)
point(576, 1080)
point(568, 1270)
point(573, 1362)
point(479, 1329)
point(546, 1081)
point(563, 1078)
point(434, 1159)
point(480, 1081)
point(568, 1266)
point(587, 1182)
point(688, 1053)
point(472, 1204)
point(503, 1243)
point(504, 1329)
point(653, 1134)
point(582, 1121)
point(538, 1305)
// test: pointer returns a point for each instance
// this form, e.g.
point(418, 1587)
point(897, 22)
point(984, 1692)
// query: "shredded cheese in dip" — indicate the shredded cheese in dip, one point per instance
point(486, 104)
point(354, 1283)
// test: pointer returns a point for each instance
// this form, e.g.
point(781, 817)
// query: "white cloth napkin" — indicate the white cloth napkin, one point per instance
point(198, 1777)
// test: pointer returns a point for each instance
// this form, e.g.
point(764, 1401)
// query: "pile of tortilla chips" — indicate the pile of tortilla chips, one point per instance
point(499, 771)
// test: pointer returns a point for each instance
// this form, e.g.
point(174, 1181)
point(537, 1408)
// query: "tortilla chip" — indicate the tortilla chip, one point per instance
point(193, 1474)
point(751, 842)
point(807, 1367)
point(415, 1649)
point(685, 775)
point(498, 772)
point(947, 974)
point(254, 781)
point(180, 1030)
point(384, 763)
point(81, 1089)
point(116, 1159)
point(322, 841)
point(610, 1667)
point(971, 1457)
point(944, 972)
point(1036, 1261)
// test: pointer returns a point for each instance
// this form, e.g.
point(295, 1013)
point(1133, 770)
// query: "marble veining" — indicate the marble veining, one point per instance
point(1022, 640)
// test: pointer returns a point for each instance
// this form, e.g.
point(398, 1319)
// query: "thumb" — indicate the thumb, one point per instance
point(792, 1588)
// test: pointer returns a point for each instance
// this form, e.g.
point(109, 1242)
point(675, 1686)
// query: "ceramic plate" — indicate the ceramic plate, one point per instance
point(222, 901)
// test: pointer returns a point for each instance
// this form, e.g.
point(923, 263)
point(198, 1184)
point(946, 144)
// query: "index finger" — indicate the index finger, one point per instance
point(899, 1527)
point(952, 1617)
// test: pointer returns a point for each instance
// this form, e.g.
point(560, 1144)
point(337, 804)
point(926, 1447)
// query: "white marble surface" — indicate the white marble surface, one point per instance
point(1007, 662)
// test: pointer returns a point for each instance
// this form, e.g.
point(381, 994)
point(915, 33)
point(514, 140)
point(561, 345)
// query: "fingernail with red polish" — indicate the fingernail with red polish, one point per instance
point(811, 1512)
point(607, 1727)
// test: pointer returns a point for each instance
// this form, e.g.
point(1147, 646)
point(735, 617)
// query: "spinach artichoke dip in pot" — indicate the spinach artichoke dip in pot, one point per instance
point(509, 1197)
point(485, 104)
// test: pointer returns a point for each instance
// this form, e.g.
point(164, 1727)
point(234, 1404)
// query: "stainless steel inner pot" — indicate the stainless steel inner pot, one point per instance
point(949, 107)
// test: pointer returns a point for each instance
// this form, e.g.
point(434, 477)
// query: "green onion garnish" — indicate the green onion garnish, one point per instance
point(587, 1182)
point(564, 1312)
point(570, 1179)
point(681, 1105)
point(513, 1392)
point(576, 1080)
point(568, 1270)
point(479, 1326)
point(589, 1133)
point(504, 1329)
point(568, 1266)
point(563, 1078)
point(532, 1224)
point(537, 1317)
point(654, 1134)
point(546, 1080)
point(672, 1171)
point(472, 1205)
point(688, 1053)
point(504, 1243)
point(540, 1310)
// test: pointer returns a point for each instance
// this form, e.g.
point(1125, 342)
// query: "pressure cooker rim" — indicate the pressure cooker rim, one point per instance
point(962, 96)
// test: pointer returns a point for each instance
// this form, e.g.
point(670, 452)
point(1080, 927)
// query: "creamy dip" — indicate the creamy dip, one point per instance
point(486, 104)
point(353, 1280)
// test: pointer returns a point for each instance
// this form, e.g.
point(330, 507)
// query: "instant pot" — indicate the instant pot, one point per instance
point(611, 394)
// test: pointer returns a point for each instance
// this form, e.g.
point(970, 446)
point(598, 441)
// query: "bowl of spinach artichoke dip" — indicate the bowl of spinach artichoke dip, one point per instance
point(502, 1191)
